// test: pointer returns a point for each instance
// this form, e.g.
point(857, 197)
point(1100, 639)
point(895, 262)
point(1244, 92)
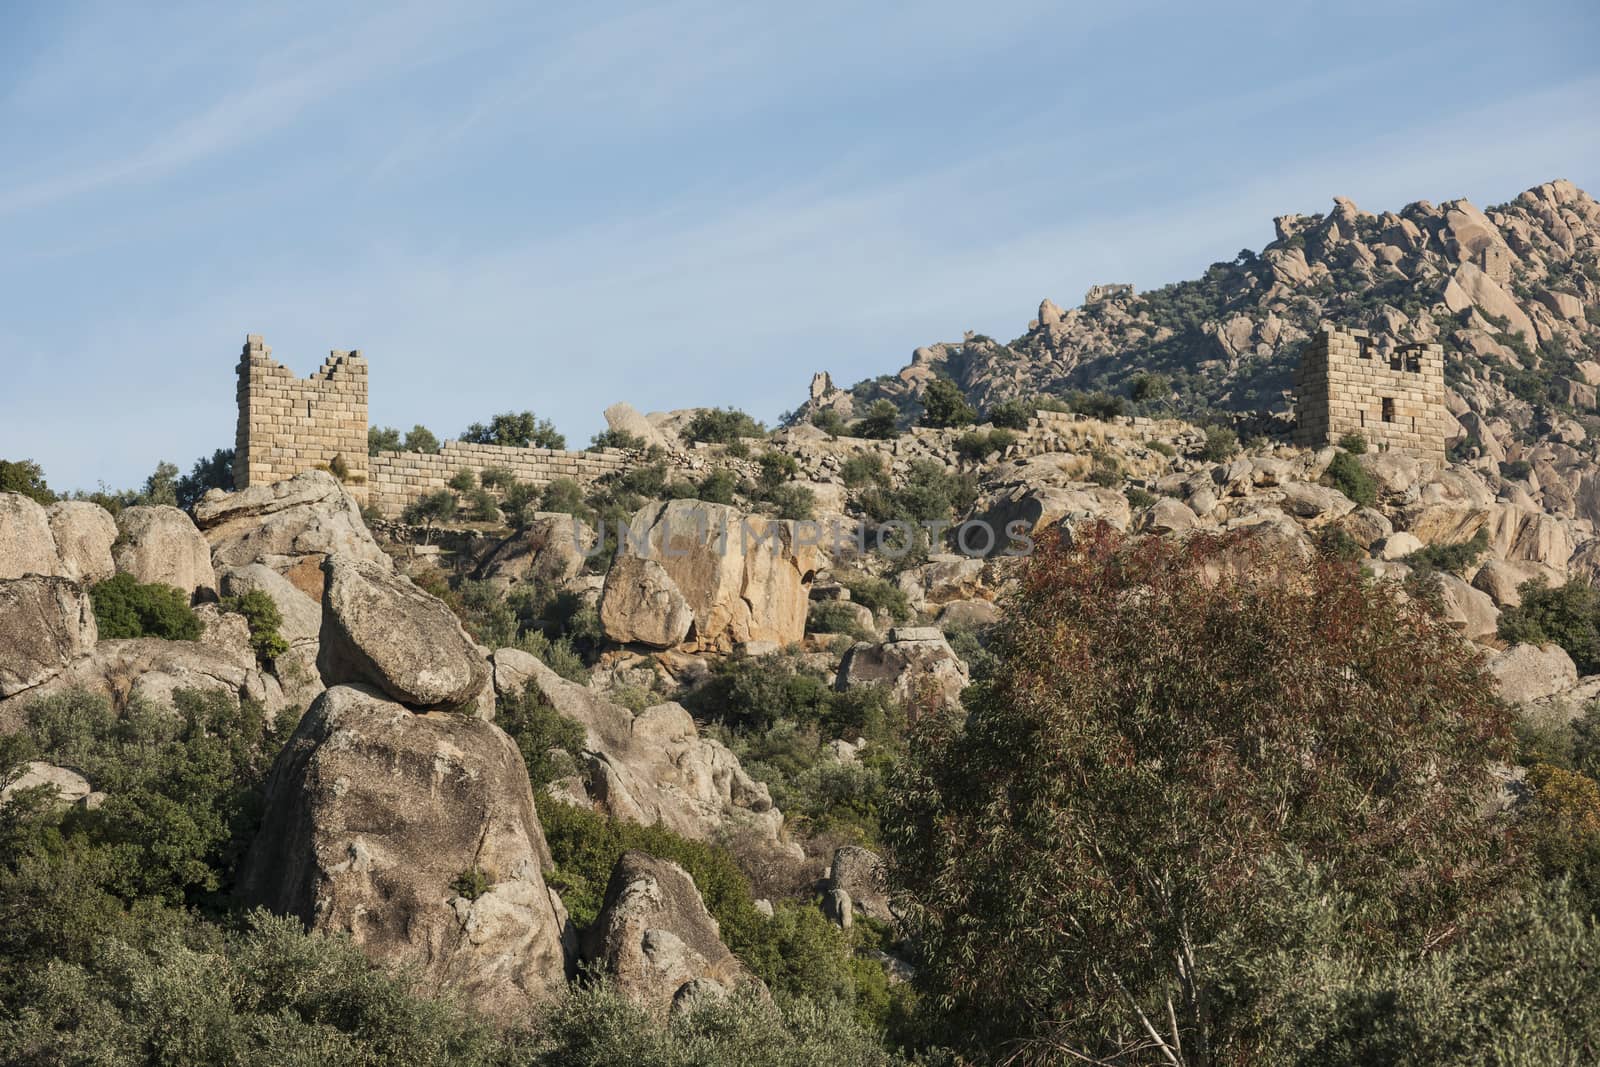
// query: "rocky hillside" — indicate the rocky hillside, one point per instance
point(1512, 292)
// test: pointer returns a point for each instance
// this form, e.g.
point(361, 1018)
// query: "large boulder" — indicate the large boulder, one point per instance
point(291, 526)
point(84, 533)
point(159, 544)
point(548, 552)
point(68, 786)
point(1526, 673)
point(641, 604)
point(654, 938)
point(653, 767)
point(914, 660)
point(415, 835)
point(745, 577)
point(26, 544)
point(379, 628)
point(1467, 609)
point(45, 624)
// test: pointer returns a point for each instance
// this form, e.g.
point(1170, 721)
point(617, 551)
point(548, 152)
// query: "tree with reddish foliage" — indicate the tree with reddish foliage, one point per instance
point(1197, 772)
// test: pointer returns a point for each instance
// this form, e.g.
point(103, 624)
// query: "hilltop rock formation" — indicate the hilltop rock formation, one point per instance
point(655, 939)
point(416, 836)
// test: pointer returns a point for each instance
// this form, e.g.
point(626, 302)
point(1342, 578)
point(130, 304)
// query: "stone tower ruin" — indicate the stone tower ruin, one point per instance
point(1392, 394)
point(288, 425)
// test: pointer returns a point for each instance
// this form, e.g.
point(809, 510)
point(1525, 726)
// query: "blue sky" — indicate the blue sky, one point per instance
point(559, 206)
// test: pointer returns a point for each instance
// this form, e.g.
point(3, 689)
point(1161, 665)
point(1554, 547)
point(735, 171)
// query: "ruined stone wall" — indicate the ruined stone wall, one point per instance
point(288, 425)
point(398, 478)
point(1391, 394)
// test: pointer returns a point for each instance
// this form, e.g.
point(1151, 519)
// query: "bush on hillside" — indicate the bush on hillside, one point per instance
point(944, 405)
point(123, 607)
point(1567, 614)
point(261, 612)
point(1347, 475)
point(721, 426)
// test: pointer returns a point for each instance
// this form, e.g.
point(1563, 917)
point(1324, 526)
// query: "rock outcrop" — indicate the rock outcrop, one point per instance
point(913, 661)
point(26, 543)
point(290, 526)
point(641, 604)
point(547, 553)
point(379, 628)
point(653, 767)
point(45, 624)
point(745, 577)
point(1527, 673)
point(860, 874)
point(150, 669)
point(84, 533)
point(654, 938)
point(416, 836)
point(158, 544)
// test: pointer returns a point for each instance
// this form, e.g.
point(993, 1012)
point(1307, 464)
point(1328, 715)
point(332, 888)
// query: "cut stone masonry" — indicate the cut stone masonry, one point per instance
point(1392, 394)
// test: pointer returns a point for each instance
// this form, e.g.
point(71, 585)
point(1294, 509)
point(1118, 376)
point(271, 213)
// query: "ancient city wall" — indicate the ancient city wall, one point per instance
point(289, 424)
point(397, 478)
point(1350, 383)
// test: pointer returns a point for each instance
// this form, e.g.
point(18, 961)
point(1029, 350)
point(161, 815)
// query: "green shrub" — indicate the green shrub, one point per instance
point(1137, 497)
point(515, 430)
point(1515, 470)
point(563, 495)
point(830, 422)
point(864, 468)
point(430, 509)
point(1011, 414)
point(261, 612)
point(1221, 444)
point(471, 883)
point(482, 507)
point(1567, 614)
point(878, 594)
point(496, 478)
point(881, 422)
point(1454, 559)
point(216, 472)
point(125, 608)
point(722, 426)
point(612, 438)
point(550, 742)
point(1336, 544)
point(1097, 405)
point(463, 481)
point(792, 501)
point(25, 477)
point(1354, 443)
point(976, 444)
point(718, 487)
point(421, 439)
point(944, 405)
point(1148, 387)
point(777, 468)
point(382, 439)
point(1162, 448)
point(1347, 475)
